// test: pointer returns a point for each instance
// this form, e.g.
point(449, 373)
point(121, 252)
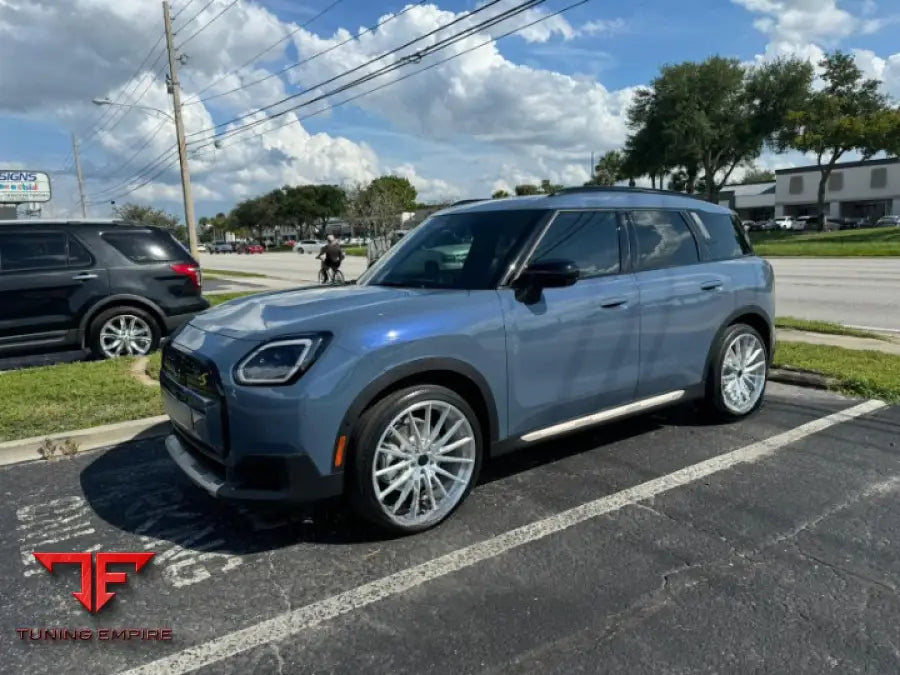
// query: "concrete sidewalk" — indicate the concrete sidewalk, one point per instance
point(887, 346)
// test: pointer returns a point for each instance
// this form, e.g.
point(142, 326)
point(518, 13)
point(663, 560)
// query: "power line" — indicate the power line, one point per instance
point(526, 5)
point(256, 56)
point(178, 13)
point(127, 162)
point(487, 42)
point(292, 66)
point(194, 18)
point(207, 24)
point(399, 63)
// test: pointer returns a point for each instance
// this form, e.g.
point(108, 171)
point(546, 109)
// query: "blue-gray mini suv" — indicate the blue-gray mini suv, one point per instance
point(491, 326)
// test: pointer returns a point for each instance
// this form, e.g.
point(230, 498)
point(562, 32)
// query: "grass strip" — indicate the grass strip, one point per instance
point(825, 327)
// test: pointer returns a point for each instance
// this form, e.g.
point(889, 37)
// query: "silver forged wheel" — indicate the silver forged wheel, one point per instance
point(424, 462)
point(743, 373)
point(125, 335)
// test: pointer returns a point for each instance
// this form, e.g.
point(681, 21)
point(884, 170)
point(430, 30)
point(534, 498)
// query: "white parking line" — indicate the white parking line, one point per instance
point(291, 623)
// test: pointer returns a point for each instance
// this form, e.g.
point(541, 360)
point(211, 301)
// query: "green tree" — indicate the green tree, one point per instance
point(609, 169)
point(711, 117)
point(757, 175)
point(145, 215)
point(331, 202)
point(396, 190)
point(849, 114)
point(527, 189)
point(252, 215)
point(547, 187)
point(500, 194)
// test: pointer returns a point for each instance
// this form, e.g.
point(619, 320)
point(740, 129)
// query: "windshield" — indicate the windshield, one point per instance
point(466, 251)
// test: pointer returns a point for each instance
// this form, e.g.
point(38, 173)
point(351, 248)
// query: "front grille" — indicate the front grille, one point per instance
point(190, 372)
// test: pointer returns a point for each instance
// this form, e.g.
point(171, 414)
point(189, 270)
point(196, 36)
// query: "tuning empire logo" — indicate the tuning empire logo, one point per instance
point(94, 595)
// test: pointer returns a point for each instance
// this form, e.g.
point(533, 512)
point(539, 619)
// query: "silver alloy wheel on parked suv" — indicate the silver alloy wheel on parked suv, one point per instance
point(743, 373)
point(125, 335)
point(424, 463)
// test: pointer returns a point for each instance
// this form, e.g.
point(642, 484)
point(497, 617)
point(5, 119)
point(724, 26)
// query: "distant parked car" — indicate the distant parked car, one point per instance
point(201, 248)
point(221, 247)
point(812, 223)
point(250, 248)
point(749, 225)
point(888, 221)
point(308, 246)
point(785, 223)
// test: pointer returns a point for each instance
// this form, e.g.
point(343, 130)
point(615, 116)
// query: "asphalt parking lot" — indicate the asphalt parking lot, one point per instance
point(659, 544)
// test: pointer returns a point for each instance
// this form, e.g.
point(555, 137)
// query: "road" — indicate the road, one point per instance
point(852, 291)
point(861, 292)
point(659, 544)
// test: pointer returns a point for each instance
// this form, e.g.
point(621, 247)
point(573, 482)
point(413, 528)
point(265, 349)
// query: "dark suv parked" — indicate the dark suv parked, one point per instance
point(113, 288)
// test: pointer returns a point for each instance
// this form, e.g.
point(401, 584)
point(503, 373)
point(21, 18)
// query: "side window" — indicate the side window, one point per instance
point(32, 251)
point(590, 239)
point(145, 247)
point(663, 240)
point(78, 254)
point(723, 234)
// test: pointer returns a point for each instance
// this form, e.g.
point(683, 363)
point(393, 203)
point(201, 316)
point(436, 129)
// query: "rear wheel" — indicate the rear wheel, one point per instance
point(338, 277)
point(417, 455)
point(123, 331)
point(737, 377)
point(323, 276)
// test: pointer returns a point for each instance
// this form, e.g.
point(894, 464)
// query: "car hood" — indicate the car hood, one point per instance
point(266, 315)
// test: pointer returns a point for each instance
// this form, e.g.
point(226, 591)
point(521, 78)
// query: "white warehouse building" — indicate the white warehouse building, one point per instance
point(866, 189)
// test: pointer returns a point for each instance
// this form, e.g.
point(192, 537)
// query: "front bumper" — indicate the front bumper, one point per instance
point(260, 478)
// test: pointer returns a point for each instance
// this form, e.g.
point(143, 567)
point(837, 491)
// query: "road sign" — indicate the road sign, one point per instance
point(18, 187)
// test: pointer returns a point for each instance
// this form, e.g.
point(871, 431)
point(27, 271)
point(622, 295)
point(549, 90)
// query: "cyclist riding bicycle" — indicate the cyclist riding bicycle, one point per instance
point(331, 256)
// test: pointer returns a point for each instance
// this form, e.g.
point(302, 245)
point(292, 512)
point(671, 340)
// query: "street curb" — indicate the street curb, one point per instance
point(800, 378)
point(28, 449)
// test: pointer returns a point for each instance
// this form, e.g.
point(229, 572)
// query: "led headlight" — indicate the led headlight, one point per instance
point(279, 362)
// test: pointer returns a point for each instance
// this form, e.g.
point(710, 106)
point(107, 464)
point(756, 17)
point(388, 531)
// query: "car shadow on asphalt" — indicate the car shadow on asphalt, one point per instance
point(137, 489)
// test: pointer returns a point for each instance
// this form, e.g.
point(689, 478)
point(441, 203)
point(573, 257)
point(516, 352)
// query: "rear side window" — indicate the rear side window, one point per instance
point(146, 247)
point(32, 251)
point(663, 240)
point(723, 235)
point(590, 239)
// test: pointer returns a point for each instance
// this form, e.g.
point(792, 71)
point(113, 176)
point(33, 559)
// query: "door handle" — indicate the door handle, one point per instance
point(84, 276)
point(611, 303)
point(711, 286)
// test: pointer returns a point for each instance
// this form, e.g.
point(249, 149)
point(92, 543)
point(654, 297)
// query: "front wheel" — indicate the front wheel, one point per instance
point(416, 456)
point(737, 379)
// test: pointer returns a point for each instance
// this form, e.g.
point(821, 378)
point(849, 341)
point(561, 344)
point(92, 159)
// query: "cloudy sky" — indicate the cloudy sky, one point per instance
point(505, 110)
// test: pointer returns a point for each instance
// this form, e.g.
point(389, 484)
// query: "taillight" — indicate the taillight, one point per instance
point(192, 272)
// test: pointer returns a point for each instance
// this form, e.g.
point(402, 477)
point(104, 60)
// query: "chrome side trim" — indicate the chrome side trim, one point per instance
point(605, 415)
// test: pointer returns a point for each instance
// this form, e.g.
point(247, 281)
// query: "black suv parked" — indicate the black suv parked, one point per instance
point(113, 288)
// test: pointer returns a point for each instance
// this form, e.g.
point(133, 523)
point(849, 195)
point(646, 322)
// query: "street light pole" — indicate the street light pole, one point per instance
point(179, 131)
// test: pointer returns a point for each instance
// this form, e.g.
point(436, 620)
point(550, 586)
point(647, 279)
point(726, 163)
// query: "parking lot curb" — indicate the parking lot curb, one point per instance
point(800, 378)
point(54, 446)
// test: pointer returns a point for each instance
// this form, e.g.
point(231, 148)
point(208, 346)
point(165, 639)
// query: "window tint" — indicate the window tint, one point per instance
point(467, 250)
point(795, 186)
point(723, 234)
point(32, 250)
point(663, 240)
point(78, 254)
point(588, 238)
point(146, 247)
point(878, 178)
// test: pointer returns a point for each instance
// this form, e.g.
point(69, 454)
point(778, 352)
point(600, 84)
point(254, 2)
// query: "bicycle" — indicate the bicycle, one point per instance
point(337, 277)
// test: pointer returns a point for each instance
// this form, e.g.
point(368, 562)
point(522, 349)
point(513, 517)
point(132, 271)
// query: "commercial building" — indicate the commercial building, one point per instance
point(866, 189)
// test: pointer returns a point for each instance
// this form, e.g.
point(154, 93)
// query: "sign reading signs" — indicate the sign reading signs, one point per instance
point(17, 187)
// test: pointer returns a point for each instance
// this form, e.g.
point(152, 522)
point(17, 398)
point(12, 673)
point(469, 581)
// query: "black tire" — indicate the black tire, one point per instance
point(715, 401)
point(338, 277)
point(93, 334)
point(323, 276)
point(300, 250)
point(366, 435)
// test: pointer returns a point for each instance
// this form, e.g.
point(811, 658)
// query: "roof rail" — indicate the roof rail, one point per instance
point(468, 201)
point(619, 188)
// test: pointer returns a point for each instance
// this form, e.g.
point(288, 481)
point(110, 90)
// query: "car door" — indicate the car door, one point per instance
point(47, 281)
point(574, 351)
point(683, 301)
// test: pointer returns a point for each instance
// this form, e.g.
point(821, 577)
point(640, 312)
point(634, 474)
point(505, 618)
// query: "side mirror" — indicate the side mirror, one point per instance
point(549, 274)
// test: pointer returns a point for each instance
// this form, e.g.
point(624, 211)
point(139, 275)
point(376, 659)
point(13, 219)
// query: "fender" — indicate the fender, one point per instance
point(112, 301)
point(410, 369)
point(756, 311)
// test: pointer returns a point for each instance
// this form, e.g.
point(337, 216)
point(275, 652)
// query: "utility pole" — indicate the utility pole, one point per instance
point(78, 174)
point(175, 89)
